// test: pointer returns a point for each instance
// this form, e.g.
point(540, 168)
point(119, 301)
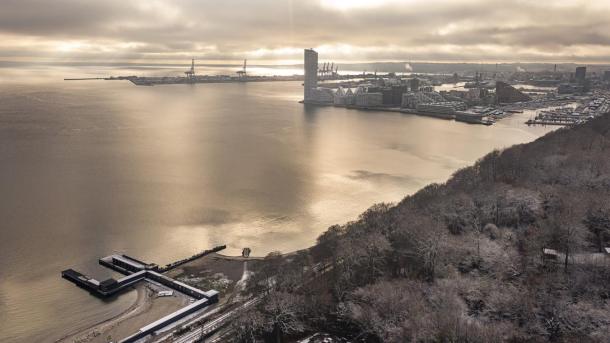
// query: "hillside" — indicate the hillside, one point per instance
point(462, 261)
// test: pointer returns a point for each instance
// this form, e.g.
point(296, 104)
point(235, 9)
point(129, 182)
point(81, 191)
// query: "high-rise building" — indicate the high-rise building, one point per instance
point(311, 74)
point(607, 75)
point(581, 74)
point(414, 85)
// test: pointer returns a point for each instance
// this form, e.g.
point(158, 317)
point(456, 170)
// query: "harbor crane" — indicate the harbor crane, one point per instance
point(242, 73)
point(191, 72)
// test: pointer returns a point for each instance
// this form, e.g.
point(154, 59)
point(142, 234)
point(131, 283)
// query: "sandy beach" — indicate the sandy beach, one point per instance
point(146, 309)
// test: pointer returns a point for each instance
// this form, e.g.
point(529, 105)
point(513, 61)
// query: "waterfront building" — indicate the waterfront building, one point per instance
point(339, 98)
point(446, 107)
point(344, 96)
point(506, 93)
point(321, 95)
point(369, 99)
point(412, 99)
point(311, 74)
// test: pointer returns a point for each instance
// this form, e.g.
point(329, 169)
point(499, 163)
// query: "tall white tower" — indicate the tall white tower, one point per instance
point(311, 73)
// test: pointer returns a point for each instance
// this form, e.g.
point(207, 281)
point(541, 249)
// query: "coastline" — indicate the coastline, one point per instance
point(132, 310)
point(141, 307)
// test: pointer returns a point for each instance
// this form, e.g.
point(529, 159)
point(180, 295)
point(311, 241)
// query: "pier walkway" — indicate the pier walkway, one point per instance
point(136, 271)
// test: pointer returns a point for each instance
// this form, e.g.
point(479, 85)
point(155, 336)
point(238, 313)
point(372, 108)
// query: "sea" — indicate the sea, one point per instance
point(91, 168)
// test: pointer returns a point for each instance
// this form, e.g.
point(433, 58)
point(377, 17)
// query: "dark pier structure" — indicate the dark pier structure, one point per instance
point(136, 271)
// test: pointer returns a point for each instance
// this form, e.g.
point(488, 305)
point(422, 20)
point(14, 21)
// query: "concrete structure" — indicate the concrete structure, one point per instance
point(311, 74)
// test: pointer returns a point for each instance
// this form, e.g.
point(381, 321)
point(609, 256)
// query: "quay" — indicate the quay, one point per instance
point(138, 271)
point(459, 116)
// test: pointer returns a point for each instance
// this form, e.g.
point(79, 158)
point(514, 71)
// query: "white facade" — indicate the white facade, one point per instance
point(369, 99)
point(344, 96)
point(311, 74)
point(322, 95)
point(412, 99)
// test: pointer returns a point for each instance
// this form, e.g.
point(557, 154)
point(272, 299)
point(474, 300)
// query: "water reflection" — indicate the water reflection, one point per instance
point(94, 167)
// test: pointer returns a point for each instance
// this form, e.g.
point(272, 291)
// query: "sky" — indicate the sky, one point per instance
point(276, 31)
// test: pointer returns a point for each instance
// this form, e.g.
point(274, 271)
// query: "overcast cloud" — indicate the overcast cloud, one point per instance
point(357, 30)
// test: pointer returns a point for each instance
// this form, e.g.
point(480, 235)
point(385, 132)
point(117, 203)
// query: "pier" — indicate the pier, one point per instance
point(136, 271)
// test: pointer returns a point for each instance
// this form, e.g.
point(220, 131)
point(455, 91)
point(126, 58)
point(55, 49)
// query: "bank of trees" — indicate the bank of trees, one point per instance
point(462, 261)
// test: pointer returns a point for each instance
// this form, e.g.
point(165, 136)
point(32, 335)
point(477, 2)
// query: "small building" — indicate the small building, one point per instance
point(550, 254)
point(246, 252)
point(165, 294)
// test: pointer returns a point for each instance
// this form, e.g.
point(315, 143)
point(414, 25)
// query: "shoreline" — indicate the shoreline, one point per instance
point(142, 302)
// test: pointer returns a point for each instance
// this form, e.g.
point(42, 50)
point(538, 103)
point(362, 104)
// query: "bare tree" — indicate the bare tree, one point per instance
point(283, 313)
point(598, 223)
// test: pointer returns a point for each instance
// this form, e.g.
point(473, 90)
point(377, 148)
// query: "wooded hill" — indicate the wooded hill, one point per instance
point(462, 261)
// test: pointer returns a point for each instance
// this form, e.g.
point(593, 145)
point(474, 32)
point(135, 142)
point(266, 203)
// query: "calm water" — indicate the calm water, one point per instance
point(93, 167)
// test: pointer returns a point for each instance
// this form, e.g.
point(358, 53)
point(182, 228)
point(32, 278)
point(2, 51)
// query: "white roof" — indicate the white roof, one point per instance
point(172, 315)
point(196, 290)
point(134, 276)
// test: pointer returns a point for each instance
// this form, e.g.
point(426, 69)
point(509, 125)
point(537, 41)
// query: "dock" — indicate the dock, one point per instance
point(136, 271)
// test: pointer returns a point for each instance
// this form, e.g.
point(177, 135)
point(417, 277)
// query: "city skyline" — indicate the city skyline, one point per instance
point(276, 31)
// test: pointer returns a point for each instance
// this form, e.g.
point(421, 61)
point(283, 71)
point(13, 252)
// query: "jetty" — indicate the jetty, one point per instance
point(136, 271)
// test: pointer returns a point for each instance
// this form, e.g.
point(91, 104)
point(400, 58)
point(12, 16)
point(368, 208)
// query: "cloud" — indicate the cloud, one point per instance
point(437, 30)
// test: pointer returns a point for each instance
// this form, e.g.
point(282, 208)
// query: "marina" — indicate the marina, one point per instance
point(569, 115)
